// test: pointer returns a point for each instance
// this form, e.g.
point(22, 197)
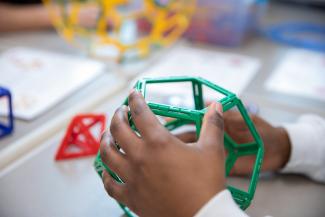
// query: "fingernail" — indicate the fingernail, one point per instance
point(131, 91)
point(103, 137)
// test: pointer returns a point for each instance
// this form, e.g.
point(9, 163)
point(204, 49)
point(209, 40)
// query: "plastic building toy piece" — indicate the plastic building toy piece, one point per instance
point(7, 126)
point(80, 139)
point(183, 116)
point(122, 27)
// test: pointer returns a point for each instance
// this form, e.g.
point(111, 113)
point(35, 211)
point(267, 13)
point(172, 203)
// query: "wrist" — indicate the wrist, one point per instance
point(284, 147)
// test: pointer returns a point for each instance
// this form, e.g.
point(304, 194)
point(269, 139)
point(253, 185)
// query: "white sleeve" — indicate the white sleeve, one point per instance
point(221, 205)
point(307, 137)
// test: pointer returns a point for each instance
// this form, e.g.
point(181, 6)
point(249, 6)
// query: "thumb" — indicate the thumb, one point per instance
point(212, 127)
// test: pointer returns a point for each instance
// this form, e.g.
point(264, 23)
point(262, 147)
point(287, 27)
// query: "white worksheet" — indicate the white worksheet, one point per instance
point(228, 70)
point(301, 73)
point(40, 79)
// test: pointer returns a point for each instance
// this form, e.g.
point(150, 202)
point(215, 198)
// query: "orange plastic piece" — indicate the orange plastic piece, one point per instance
point(82, 137)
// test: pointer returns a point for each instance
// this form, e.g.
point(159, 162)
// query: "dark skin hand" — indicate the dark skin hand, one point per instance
point(33, 17)
point(21, 18)
point(163, 175)
point(276, 142)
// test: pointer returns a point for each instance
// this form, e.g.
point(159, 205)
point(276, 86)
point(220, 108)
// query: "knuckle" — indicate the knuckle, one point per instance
point(110, 191)
point(112, 161)
point(103, 154)
point(138, 103)
point(132, 96)
point(105, 150)
point(137, 157)
point(154, 136)
point(113, 127)
point(109, 159)
point(216, 120)
point(105, 140)
point(115, 124)
point(138, 109)
point(103, 137)
point(159, 138)
point(164, 140)
point(138, 160)
point(102, 148)
point(108, 184)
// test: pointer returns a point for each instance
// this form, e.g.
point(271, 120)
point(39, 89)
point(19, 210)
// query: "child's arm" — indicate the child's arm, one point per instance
point(294, 148)
point(14, 18)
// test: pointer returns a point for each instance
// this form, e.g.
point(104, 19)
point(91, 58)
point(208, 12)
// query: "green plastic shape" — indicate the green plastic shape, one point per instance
point(183, 116)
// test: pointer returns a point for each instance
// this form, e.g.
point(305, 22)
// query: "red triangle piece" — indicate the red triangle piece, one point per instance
point(79, 141)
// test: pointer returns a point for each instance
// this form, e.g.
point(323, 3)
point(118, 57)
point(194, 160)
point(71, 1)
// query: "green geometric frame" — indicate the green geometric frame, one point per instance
point(185, 116)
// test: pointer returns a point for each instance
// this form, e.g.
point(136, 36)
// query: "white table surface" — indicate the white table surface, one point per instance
point(37, 185)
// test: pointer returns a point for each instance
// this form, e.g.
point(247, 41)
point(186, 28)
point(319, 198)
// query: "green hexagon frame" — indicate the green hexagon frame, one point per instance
point(183, 116)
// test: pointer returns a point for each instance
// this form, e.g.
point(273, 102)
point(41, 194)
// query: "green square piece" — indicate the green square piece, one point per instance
point(183, 116)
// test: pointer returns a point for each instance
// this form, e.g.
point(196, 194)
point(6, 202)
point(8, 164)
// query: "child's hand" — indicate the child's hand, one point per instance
point(276, 142)
point(163, 176)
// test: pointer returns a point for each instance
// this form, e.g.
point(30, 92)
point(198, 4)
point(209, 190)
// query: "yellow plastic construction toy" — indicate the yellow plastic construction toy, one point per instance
point(120, 28)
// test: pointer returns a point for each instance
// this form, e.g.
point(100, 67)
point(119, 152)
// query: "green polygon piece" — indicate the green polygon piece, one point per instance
point(183, 116)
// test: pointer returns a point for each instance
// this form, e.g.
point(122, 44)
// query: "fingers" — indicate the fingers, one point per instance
point(145, 121)
point(187, 137)
point(212, 127)
point(111, 157)
point(114, 189)
point(243, 166)
point(233, 119)
point(236, 127)
point(121, 130)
